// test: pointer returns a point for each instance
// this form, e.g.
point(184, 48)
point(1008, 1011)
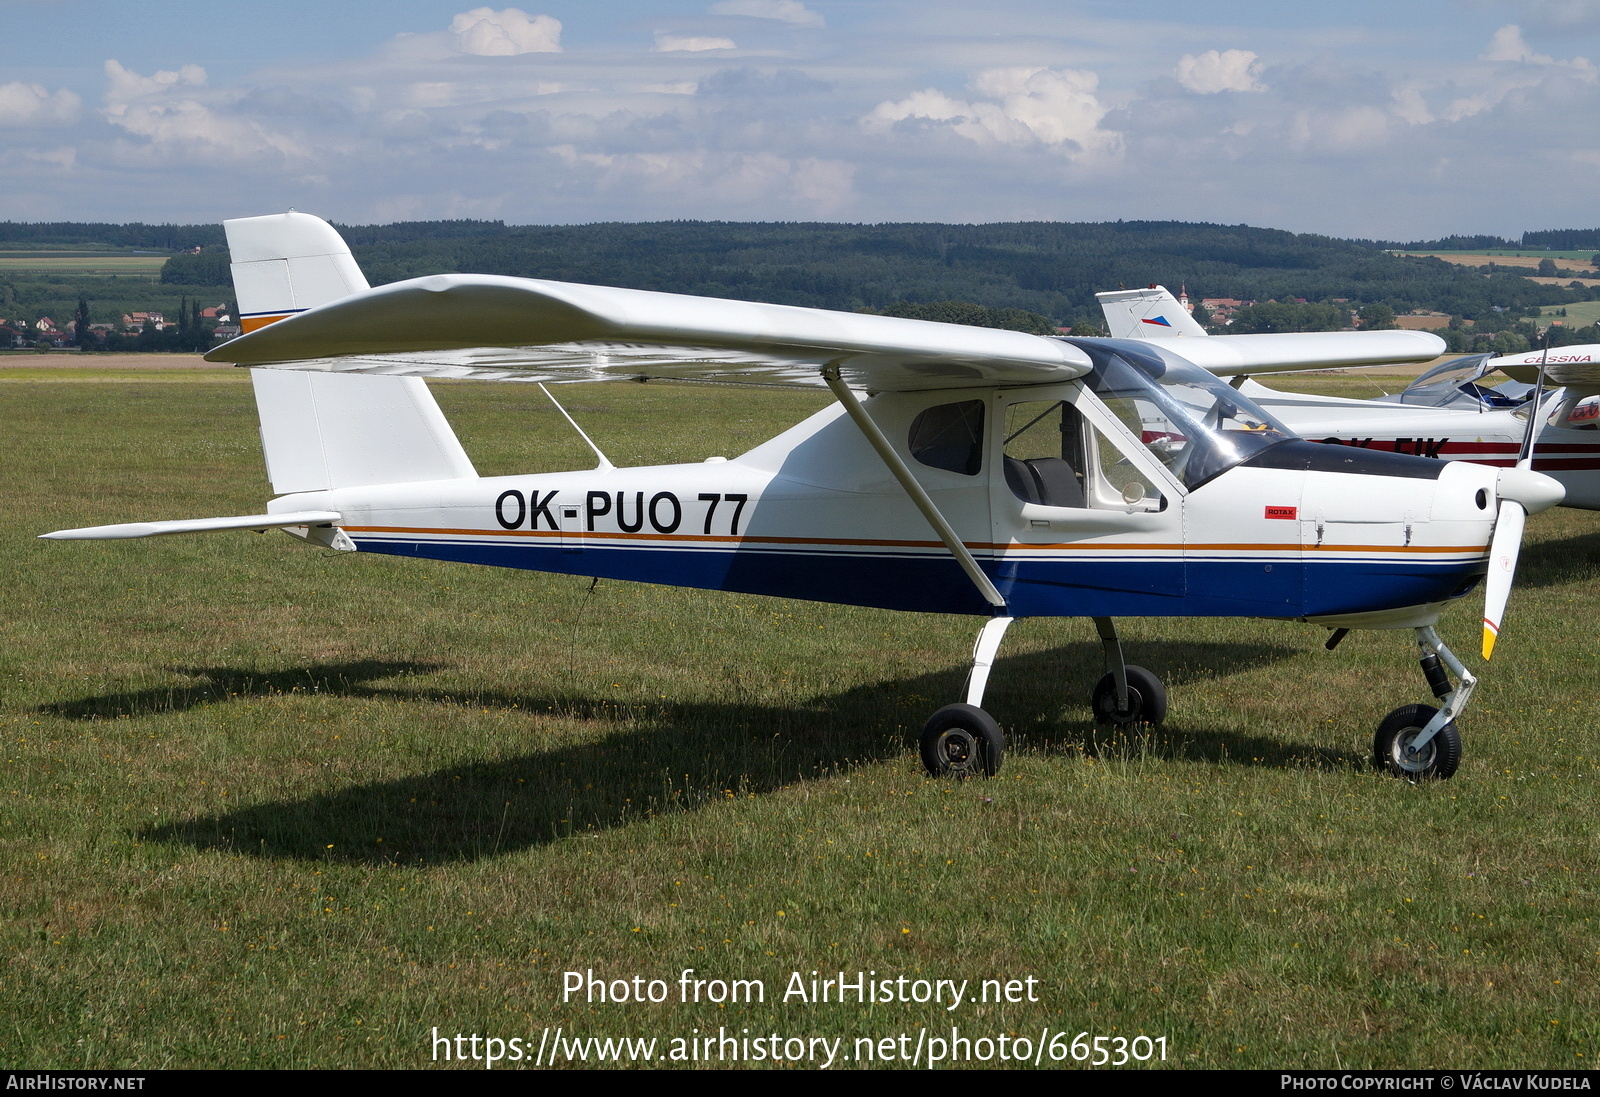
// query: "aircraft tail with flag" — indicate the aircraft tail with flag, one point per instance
point(1151, 313)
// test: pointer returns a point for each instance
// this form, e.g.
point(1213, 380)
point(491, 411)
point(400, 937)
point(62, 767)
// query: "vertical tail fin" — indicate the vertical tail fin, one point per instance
point(1145, 314)
point(285, 263)
point(329, 430)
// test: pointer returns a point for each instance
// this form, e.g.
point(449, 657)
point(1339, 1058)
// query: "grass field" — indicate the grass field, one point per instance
point(82, 263)
point(1579, 314)
point(1508, 256)
point(264, 806)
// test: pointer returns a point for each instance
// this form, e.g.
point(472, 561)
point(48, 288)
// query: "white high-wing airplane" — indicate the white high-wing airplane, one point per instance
point(985, 472)
point(1449, 412)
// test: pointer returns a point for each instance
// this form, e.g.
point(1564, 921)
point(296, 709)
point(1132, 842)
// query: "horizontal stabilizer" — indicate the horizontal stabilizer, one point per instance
point(195, 525)
point(490, 326)
point(1288, 352)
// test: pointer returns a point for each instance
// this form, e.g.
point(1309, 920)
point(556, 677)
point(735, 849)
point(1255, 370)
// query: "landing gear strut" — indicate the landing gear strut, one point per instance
point(1420, 742)
point(963, 740)
point(1127, 695)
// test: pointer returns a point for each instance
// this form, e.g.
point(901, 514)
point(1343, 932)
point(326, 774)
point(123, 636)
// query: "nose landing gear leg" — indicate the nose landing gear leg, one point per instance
point(1420, 742)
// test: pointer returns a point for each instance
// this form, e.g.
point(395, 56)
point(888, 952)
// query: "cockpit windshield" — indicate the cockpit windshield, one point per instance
point(1460, 381)
point(1186, 417)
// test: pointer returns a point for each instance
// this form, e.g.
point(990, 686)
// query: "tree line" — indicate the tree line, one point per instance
point(1048, 269)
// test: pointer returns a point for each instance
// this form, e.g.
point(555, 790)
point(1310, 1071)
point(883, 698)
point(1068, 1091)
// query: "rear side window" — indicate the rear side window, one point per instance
point(950, 436)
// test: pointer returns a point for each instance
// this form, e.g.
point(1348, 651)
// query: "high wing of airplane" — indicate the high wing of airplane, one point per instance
point(961, 470)
point(1452, 412)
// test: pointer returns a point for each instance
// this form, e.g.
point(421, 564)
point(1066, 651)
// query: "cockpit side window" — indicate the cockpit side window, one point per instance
point(1055, 458)
point(950, 436)
point(1044, 453)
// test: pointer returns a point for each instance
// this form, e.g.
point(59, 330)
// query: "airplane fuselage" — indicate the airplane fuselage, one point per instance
point(1296, 532)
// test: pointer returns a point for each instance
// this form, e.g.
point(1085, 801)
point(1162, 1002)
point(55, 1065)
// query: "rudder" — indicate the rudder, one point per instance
point(324, 430)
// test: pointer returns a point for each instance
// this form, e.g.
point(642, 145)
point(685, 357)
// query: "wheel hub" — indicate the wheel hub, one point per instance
point(1408, 757)
point(957, 747)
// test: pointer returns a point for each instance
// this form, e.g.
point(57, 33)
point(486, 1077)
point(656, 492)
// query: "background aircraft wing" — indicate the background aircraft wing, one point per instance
point(1228, 355)
point(494, 327)
point(1153, 313)
point(1576, 367)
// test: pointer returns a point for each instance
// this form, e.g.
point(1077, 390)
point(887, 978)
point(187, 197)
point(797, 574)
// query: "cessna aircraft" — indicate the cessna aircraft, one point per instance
point(1449, 412)
point(984, 472)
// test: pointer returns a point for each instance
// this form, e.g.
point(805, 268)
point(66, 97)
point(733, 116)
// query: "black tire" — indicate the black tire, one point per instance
point(1439, 757)
point(962, 741)
point(1147, 700)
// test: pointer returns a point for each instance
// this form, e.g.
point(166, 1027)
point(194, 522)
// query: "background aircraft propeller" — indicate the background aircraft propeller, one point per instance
point(1521, 492)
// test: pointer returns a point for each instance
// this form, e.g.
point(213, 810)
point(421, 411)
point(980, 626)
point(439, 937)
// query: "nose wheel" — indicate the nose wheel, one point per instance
point(1395, 747)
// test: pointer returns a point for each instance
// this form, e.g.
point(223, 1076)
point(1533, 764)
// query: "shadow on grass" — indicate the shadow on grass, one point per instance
point(218, 684)
point(1556, 563)
point(668, 757)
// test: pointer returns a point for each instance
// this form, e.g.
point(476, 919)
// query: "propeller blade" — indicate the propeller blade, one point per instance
point(1520, 490)
point(1502, 567)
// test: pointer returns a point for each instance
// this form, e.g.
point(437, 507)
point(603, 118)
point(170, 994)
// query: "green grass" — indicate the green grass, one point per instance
point(84, 264)
point(1579, 314)
point(263, 806)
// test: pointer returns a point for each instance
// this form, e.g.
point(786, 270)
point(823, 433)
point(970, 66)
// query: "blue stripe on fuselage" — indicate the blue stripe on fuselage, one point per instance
point(1032, 587)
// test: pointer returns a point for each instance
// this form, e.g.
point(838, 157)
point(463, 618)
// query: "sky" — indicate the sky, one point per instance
point(1369, 119)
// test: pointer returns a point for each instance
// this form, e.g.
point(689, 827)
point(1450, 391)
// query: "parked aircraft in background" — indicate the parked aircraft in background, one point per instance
point(1450, 412)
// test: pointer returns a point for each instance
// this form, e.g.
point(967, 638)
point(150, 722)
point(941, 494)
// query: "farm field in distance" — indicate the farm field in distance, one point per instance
point(268, 806)
point(62, 261)
point(1578, 314)
point(1507, 257)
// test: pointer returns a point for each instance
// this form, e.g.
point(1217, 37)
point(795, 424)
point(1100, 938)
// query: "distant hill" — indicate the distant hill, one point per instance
point(1048, 268)
point(1044, 267)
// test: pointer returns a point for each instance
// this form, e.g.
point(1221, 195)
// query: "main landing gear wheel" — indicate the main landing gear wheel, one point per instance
point(1147, 700)
point(1392, 749)
point(961, 741)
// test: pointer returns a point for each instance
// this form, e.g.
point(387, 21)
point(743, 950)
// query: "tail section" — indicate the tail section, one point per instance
point(1146, 314)
point(337, 430)
point(329, 430)
point(285, 263)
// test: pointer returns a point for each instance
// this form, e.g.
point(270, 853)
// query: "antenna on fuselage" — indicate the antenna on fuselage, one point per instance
point(605, 464)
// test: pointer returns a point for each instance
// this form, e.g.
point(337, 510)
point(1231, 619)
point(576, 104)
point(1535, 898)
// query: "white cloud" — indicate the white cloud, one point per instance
point(146, 106)
point(1212, 72)
point(1053, 107)
point(124, 85)
point(30, 105)
point(677, 43)
point(814, 186)
point(1409, 105)
point(1508, 45)
point(484, 32)
point(785, 11)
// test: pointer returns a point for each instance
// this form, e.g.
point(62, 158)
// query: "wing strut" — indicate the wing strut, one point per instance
point(924, 502)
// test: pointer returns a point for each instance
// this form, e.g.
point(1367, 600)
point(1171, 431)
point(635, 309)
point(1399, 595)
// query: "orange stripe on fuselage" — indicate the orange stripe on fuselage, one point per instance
point(247, 324)
point(1132, 546)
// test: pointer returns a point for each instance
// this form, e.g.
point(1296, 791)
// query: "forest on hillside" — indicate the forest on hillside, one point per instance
point(1045, 268)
